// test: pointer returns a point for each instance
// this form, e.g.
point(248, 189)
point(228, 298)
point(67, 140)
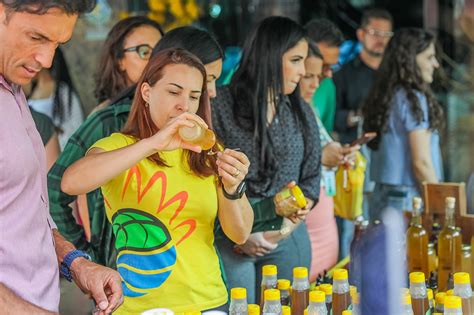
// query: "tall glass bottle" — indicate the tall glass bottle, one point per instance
point(299, 290)
point(269, 281)
point(449, 247)
point(272, 304)
point(462, 288)
point(341, 298)
point(417, 242)
point(419, 294)
point(238, 301)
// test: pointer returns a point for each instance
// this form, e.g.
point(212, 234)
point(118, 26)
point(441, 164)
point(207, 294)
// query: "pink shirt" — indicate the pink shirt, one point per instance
point(28, 263)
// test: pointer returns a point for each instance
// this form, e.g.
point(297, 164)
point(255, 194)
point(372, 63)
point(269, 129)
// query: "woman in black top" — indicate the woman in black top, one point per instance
point(261, 113)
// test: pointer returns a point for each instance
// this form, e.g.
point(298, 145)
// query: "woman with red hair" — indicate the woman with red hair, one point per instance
point(163, 194)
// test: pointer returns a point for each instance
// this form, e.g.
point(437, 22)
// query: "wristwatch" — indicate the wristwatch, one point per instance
point(238, 193)
point(65, 268)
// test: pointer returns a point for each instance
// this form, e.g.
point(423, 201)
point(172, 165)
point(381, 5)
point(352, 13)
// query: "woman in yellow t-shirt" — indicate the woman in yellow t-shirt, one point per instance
point(162, 195)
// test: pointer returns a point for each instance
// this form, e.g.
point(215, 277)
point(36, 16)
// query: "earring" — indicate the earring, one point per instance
point(146, 104)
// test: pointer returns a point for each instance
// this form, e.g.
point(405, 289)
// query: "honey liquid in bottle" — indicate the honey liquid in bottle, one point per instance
point(299, 291)
point(341, 298)
point(417, 242)
point(449, 247)
point(419, 294)
point(199, 135)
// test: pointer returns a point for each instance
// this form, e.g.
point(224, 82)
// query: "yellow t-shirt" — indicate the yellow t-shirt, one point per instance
point(163, 221)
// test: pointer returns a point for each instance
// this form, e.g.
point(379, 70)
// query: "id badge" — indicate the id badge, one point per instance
point(330, 182)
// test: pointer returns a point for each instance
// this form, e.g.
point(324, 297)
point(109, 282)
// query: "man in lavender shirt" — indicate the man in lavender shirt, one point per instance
point(31, 249)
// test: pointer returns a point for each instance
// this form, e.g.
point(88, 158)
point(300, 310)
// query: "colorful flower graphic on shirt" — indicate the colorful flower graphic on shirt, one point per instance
point(146, 250)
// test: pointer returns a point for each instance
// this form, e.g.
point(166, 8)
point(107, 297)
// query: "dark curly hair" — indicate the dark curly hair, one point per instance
point(399, 70)
point(41, 7)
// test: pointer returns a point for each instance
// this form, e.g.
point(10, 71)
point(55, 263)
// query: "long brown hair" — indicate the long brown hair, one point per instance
point(140, 124)
point(109, 79)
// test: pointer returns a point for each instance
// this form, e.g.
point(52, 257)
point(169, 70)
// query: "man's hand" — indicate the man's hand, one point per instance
point(101, 283)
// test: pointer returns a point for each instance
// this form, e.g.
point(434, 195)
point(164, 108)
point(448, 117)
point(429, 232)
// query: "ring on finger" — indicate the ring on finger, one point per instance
point(237, 173)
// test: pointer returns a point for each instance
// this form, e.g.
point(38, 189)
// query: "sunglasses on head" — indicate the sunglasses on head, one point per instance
point(143, 51)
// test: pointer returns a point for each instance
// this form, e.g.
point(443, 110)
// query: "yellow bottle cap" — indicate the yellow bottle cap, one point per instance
point(305, 312)
point(316, 288)
point(283, 284)
point(340, 274)
point(317, 296)
point(285, 310)
point(192, 313)
point(462, 278)
point(352, 290)
point(326, 288)
point(347, 312)
point(269, 270)
point(437, 314)
point(238, 293)
point(450, 293)
point(452, 302)
point(253, 309)
point(272, 295)
point(300, 272)
point(417, 277)
point(299, 196)
point(440, 296)
point(406, 299)
point(430, 294)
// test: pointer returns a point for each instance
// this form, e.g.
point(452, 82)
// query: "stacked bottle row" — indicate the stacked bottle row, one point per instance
point(418, 300)
point(278, 297)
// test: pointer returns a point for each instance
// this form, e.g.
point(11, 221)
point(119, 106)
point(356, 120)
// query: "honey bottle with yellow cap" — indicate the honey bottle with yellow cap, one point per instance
point(453, 305)
point(299, 290)
point(284, 287)
point(327, 289)
point(407, 308)
point(203, 137)
point(289, 200)
point(462, 288)
point(341, 298)
point(449, 247)
point(272, 304)
point(253, 309)
point(317, 303)
point(439, 298)
point(417, 242)
point(269, 280)
point(285, 310)
point(418, 292)
point(238, 301)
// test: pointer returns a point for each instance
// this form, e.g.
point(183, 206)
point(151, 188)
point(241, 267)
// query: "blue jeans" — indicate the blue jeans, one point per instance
point(246, 272)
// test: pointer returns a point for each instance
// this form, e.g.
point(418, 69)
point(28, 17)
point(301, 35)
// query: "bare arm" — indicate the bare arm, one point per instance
point(10, 303)
point(99, 167)
point(421, 156)
point(52, 150)
point(235, 216)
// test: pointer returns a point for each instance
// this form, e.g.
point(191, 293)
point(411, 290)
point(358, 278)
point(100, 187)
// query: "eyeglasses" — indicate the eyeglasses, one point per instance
point(379, 33)
point(143, 51)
